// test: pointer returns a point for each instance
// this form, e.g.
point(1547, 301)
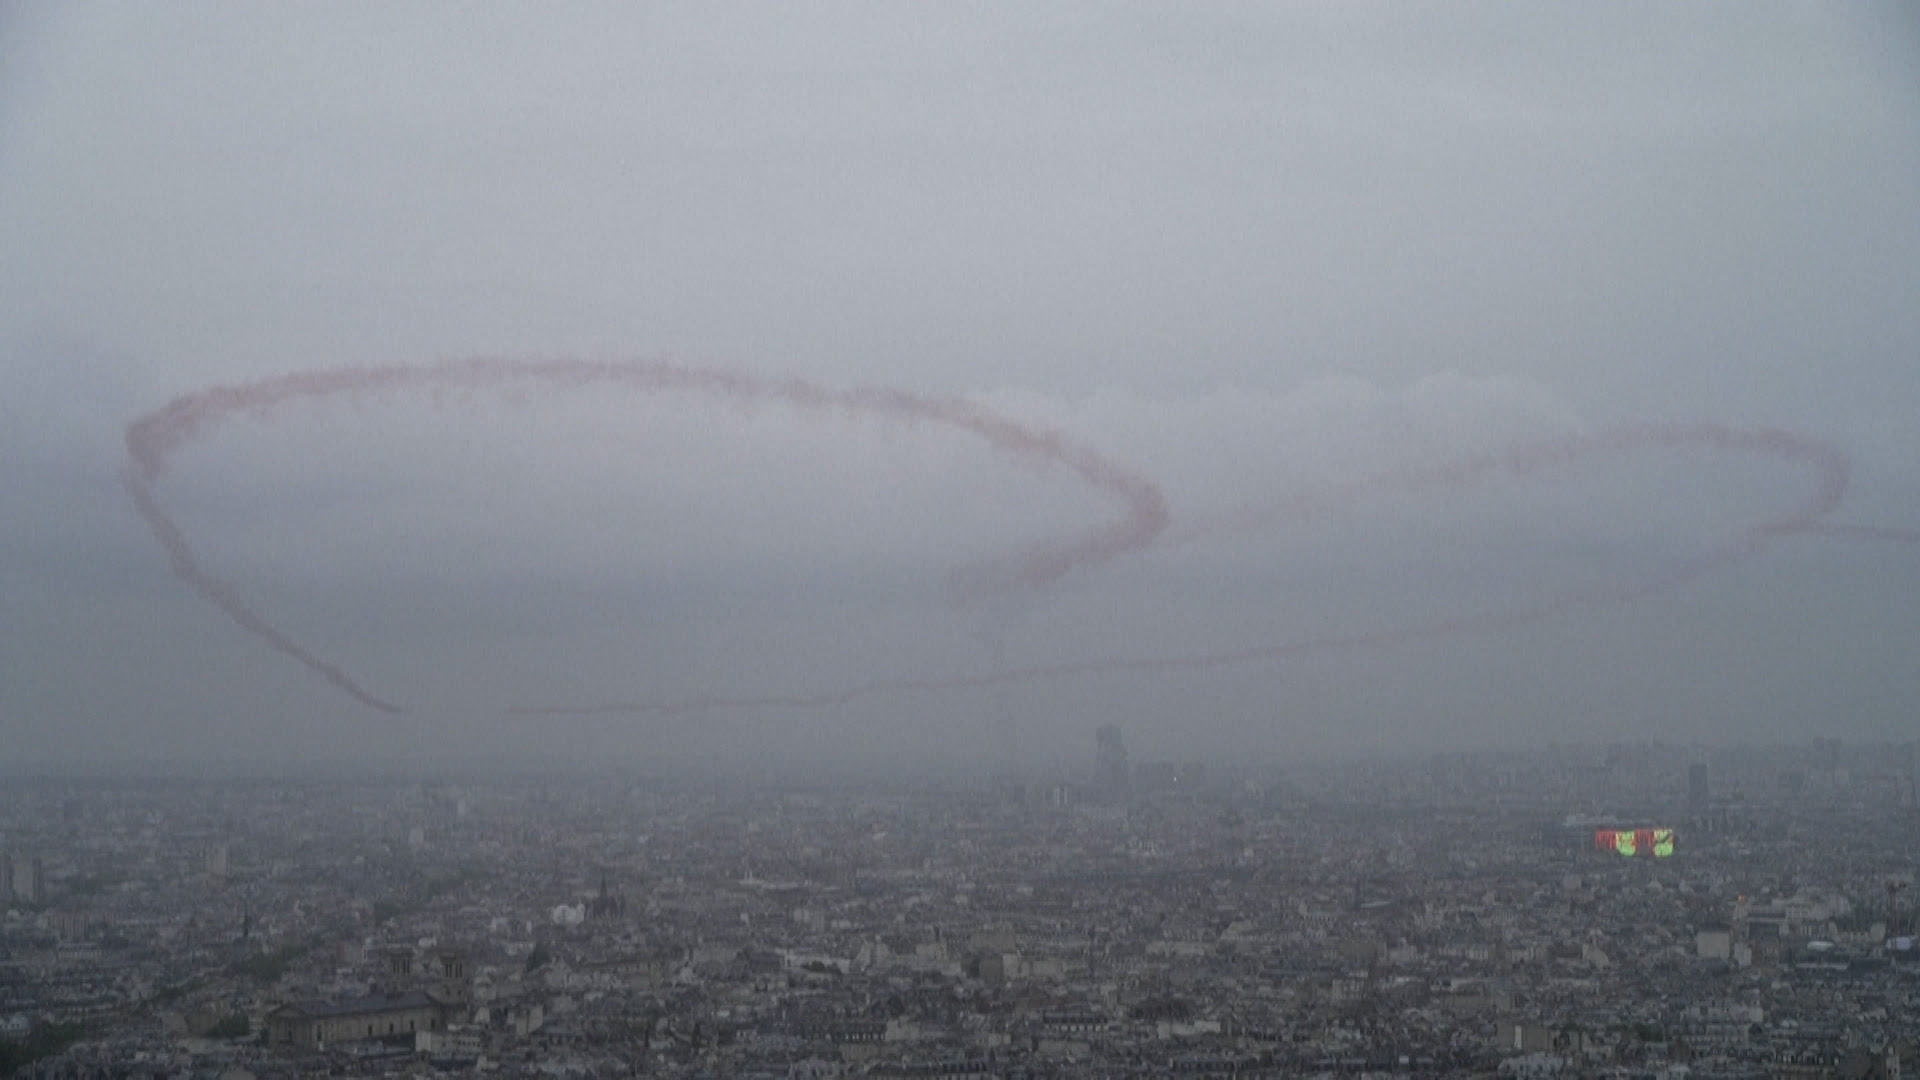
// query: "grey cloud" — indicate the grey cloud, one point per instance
point(1248, 249)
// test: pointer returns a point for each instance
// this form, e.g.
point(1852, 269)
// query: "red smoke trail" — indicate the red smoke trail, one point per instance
point(154, 438)
point(1829, 464)
point(224, 596)
point(1531, 456)
point(1880, 533)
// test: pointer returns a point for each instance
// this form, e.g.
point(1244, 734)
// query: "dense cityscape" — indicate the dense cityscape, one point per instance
point(1472, 914)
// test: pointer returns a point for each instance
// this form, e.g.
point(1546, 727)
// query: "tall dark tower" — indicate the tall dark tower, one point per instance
point(1110, 762)
point(1697, 794)
point(1826, 754)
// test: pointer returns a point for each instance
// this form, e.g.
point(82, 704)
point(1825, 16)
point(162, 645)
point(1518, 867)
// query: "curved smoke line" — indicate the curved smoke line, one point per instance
point(154, 438)
point(1830, 465)
point(1883, 534)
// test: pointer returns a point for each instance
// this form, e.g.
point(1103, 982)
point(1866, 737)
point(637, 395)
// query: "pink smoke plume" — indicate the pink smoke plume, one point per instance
point(1882, 534)
point(1831, 473)
point(154, 438)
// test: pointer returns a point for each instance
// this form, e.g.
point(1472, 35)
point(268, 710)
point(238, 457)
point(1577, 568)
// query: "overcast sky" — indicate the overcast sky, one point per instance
point(1252, 255)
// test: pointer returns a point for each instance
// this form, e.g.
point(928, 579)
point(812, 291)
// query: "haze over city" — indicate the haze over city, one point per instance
point(974, 541)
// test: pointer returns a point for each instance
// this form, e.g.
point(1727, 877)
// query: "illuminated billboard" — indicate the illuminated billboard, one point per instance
point(1630, 842)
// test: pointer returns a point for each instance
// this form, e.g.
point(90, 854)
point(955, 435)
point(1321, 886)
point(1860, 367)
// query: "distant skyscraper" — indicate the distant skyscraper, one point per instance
point(36, 890)
point(1906, 759)
point(1697, 795)
point(1826, 754)
point(6, 876)
point(1110, 761)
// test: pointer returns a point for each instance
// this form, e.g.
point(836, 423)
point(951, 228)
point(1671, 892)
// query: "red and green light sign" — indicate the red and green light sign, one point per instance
point(1630, 842)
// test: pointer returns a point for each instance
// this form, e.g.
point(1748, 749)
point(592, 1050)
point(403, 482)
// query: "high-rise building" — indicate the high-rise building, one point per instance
point(1826, 754)
point(6, 876)
point(1697, 793)
point(36, 890)
point(1110, 761)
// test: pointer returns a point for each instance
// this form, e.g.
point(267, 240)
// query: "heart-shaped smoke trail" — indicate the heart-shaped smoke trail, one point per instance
point(1829, 465)
point(154, 438)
